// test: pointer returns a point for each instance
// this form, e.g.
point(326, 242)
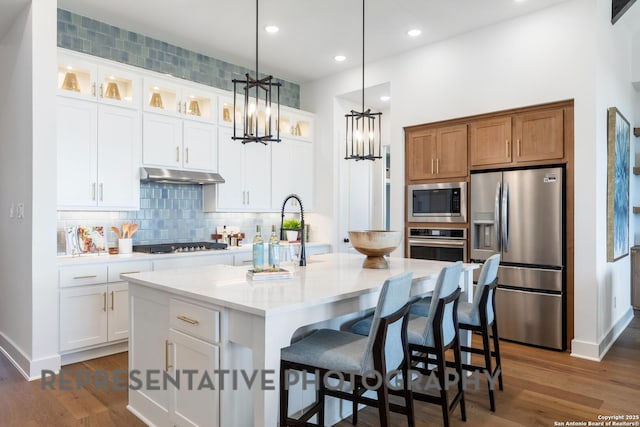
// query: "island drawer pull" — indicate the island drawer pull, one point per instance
point(85, 277)
point(130, 272)
point(188, 320)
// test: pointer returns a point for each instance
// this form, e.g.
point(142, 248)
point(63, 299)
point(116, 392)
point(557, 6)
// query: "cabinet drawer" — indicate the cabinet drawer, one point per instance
point(200, 322)
point(115, 270)
point(82, 275)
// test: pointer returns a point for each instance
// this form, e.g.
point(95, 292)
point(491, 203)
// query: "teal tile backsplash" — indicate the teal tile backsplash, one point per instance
point(83, 34)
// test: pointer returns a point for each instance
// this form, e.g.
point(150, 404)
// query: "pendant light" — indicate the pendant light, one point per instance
point(257, 108)
point(363, 137)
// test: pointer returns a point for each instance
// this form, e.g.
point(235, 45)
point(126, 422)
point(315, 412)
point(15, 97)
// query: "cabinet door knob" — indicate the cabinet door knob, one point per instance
point(113, 301)
point(177, 153)
point(93, 89)
point(518, 148)
point(93, 191)
point(104, 301)
point(506, 148)
point(179, 107)
point(101, 191)
point(186, 159)
point(432, 166)
point(437, 166)
point(101, 91)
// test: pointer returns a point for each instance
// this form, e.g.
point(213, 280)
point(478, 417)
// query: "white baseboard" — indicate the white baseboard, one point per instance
point(92, 353)
point(597, 351)
point(28, 368)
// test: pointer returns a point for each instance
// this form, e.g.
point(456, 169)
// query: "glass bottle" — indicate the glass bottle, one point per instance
point(225, 235)
point(258, 251)
point(274, 250)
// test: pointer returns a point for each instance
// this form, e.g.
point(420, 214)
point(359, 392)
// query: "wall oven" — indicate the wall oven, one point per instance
point(440, 202)
point(438, 244)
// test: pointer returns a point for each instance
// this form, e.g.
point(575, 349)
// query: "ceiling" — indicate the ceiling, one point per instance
point(311, 32)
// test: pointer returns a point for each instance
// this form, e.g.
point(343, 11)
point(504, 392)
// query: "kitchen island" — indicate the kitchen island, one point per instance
point(211, 324)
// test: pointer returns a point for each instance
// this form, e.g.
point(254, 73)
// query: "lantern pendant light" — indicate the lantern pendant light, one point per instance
point(258, 99)
point(363, 131)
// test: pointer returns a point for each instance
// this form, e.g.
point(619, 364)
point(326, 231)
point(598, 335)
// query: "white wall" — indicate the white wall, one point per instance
point(43, 203)
point(547, 56)
point(28, 282)
point(16, 125)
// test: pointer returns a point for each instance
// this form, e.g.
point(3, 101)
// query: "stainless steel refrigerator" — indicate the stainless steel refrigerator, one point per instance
point(520, 214)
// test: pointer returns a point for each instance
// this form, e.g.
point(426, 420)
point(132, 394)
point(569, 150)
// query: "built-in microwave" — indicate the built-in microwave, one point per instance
point(441, 202)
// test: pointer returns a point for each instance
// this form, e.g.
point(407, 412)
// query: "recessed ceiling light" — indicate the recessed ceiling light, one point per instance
point(271, 29)
point(414, 32)
point(385, 98)
point(339, 58)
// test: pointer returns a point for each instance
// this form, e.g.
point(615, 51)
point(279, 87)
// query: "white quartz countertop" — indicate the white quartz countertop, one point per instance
point(104, 257)
point(326, 278)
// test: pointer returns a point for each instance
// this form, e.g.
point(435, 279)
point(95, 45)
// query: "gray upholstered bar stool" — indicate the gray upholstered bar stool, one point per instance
point(328, 352)
point(430, 338)
point(480, 316)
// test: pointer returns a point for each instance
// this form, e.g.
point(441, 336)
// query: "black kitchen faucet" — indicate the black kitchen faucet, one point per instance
point(303, 257)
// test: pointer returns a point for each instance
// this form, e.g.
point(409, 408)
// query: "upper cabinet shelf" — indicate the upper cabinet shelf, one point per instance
point(180, 100)
point(81, 79)
point(293, 123)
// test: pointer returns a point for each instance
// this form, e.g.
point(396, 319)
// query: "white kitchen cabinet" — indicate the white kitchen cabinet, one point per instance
point(180, 144)
point(246, 169)
point(97, 80)
point(91, 315)
point(173, 336)
point(178, 98)
point(98, 156)
point(292, 172)
point(94, 304)
point(194, 407)
point(83, 317)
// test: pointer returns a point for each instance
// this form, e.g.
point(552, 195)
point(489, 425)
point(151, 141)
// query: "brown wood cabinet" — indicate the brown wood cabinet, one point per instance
point(490, 141)
point(436, 153)
point(519, 138)
point(539, 135)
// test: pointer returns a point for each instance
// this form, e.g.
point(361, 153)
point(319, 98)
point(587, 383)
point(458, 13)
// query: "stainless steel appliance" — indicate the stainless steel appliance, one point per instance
point(520, 214)
point(441, 202)
point(165, 248)
point(439, 244)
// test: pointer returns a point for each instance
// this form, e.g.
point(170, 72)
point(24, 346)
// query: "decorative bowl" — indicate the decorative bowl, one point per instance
point(375, 244)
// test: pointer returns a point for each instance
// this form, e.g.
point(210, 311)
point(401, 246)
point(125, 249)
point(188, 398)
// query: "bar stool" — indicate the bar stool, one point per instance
point(344, 355)
point(479, 316)
point(430, 337)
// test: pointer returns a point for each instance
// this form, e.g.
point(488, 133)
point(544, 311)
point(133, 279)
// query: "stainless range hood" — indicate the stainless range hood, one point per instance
point(172, 176)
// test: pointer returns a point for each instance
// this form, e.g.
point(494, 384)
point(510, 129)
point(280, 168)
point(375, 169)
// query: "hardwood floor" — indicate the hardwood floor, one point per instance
point(540, 387)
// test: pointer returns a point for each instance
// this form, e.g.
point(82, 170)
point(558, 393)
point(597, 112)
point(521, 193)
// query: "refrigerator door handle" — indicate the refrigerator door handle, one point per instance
point(504, 224)
point(496, 215)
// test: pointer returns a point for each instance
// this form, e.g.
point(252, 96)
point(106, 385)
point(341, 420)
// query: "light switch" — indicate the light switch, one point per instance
point(20, 210)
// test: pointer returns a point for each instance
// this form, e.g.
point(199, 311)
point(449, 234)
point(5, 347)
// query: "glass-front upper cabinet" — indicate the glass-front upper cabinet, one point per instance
point(78, 78)
point(226, 111)
point(118, 87)
point(186, 101)
point(296, 124)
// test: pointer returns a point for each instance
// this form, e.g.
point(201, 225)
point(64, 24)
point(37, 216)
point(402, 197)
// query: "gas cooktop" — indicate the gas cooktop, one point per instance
point(166, 248)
